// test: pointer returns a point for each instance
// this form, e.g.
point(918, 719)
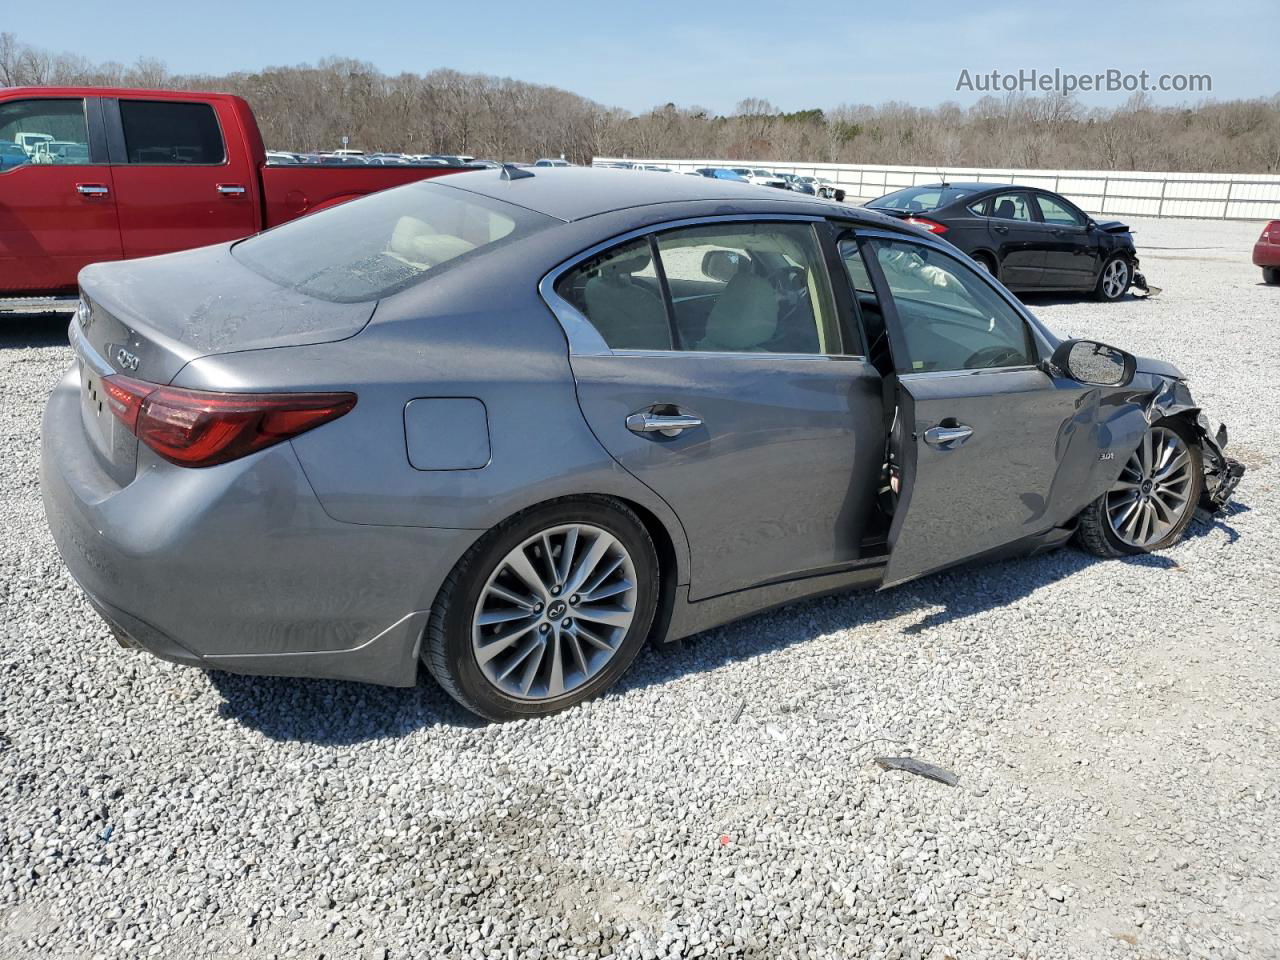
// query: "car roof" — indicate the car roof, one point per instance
point(574, 193)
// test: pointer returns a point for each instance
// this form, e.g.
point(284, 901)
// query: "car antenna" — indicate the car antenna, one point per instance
point(511, 172)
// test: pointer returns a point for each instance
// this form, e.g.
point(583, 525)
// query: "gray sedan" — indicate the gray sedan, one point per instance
point(513, 423)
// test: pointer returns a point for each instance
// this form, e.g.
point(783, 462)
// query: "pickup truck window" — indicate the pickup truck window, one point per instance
point(373, 247)
point(43, 132)
point(168, 133)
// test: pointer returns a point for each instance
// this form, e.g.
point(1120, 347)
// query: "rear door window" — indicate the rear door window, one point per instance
point(1011, 206)
point(733, 288)
point(169, 133)
point(43, 132)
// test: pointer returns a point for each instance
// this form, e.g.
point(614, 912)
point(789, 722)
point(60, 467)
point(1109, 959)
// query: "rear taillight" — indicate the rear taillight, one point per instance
point(930, 225)
point(200, 428)
point(1271, 233)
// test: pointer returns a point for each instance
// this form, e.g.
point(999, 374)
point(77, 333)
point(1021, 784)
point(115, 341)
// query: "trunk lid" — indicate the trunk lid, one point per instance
point(147, 319)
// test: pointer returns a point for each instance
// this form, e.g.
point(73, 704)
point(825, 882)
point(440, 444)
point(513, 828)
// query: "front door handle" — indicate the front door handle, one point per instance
point(947, 438)
point(666, 424)
point(230, 189)
point(92, 189)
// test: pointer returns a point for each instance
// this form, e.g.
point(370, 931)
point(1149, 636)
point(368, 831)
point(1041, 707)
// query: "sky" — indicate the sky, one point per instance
point(640, 55)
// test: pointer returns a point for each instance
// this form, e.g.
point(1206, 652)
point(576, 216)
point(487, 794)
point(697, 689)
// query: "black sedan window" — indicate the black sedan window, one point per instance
point(950, 317)
point(1055, 211)
point(919, 199)
point(1011, 206)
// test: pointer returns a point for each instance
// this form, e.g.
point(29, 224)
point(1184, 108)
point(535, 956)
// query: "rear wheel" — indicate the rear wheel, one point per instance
point(1113, 281)
point(546, 610)
point(1152, 502)
point(986, 262)
point(1271, 275)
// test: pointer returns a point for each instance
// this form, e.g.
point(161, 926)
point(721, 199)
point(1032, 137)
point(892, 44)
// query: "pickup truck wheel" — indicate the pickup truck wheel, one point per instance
point(546, 610)
point(1152, 502)
point(1271, 275)
point(1113, 280)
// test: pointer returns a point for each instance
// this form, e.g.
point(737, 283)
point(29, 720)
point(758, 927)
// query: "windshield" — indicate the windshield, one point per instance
point(919, 199)
point(380, 244)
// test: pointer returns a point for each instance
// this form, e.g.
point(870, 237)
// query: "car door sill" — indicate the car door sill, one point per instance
point(695, 616)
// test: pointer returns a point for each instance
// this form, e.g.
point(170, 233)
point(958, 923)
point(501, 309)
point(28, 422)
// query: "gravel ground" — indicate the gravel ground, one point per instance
point(1112, 725)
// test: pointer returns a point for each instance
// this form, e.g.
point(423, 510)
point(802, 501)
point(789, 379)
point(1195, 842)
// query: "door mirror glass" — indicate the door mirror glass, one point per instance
point(721, 265)
point(1091, 362)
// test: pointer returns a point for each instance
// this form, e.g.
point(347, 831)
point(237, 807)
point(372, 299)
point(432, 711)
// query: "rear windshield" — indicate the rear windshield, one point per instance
point(919, 199)
point(373, 247)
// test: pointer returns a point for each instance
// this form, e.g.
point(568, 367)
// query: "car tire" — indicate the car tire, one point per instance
point(1114, 279)
point(1271, 275)
point(987, 263)
point(474, 595)
point(1103, 527)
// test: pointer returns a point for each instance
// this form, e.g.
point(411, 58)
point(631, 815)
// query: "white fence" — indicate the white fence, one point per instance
point(1219, 196)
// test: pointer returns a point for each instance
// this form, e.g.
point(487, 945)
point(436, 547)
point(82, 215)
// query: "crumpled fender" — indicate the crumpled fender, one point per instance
point(1170, 396)
point(1108, 424)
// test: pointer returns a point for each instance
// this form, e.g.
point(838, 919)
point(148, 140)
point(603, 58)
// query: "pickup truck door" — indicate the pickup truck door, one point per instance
point(57, 203)
point(183, 175)
point(984, 432)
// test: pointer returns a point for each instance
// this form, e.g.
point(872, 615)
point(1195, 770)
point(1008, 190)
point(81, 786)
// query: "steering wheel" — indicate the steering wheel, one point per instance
point(996, 356)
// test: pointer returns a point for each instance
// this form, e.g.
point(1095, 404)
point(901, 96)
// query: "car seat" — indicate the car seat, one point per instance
point(627, 314)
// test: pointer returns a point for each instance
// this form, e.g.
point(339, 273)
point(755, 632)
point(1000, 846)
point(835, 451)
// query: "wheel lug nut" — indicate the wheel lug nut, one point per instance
point(544, 628)
point(555, 591)
point(537, 608)
point(567, 622)
point(573, 601)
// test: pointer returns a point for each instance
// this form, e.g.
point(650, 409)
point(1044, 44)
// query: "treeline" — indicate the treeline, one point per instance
point(311, 107)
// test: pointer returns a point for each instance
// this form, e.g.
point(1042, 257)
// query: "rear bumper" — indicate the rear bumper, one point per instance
point(1266, 254)
point(237, 567)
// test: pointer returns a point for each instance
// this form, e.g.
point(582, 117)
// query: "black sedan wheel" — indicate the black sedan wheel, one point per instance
point(1114, 280)
point(1152, 502)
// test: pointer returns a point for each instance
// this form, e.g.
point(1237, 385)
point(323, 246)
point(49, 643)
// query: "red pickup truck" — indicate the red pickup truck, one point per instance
point(90, 173)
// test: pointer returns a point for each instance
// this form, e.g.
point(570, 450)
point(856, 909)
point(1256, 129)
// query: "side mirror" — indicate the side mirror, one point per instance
point(721, 265)
point(1096, 363)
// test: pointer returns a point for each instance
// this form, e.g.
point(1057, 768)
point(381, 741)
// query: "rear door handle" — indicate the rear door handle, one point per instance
point(999, 229)
point(93, 189)
point(666, 424)
point(230, 189)
point(947, 438)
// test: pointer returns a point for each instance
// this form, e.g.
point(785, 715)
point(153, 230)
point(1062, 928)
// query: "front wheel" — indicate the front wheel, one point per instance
point(1113, 281)
point(546, 610)
point(1271, 275)
point(1152, 502)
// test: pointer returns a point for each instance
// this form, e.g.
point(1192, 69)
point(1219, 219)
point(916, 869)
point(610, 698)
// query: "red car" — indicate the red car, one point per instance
point(1266, 252)
point(90, 174)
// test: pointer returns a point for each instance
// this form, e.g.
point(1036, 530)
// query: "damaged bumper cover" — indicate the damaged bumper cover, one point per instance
point(1172, 398)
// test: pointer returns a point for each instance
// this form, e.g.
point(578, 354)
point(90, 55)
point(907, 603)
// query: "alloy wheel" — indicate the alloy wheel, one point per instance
point(554, 611)
point(1115, 278)
point(1153, 493)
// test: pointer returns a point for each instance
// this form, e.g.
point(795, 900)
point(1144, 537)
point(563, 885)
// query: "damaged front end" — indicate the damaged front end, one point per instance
point(1221, 473)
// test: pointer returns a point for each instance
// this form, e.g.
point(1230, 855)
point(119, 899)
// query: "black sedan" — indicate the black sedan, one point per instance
point(1031, 239)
